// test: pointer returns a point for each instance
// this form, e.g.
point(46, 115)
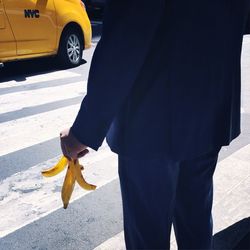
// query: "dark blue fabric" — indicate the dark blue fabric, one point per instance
point(159, 191)
point(247, 30)
point(165, 78)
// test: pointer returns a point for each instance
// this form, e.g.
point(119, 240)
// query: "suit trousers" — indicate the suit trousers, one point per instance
point(159, 192)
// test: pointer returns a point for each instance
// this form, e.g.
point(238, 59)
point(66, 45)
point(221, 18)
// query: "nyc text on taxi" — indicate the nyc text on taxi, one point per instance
point(35, 28)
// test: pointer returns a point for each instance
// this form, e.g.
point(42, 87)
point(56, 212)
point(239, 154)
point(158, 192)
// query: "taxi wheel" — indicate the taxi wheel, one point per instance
point(70, 50)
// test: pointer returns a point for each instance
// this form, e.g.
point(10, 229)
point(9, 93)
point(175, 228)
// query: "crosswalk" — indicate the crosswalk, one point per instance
point(26, 196)
point(32, 113)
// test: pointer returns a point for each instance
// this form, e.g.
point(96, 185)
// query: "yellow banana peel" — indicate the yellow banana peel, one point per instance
point(73, 174)
point(68, 184)
point(58, 168)
point(80, 179)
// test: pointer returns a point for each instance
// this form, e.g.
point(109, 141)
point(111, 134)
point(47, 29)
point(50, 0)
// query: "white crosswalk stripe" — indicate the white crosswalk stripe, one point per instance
point(23, 99)
point(16, 134)
point(40, 78)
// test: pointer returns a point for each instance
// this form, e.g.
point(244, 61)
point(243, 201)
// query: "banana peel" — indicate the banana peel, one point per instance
point(73, 174)
point(80, 179)
point(56, 169)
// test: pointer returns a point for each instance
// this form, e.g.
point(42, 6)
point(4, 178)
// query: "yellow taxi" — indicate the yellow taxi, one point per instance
point(36, 28)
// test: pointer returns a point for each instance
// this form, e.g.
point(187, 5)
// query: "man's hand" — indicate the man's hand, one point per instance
point(71, 147)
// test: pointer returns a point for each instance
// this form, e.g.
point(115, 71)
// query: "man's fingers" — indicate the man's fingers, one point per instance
point(83, 153)
point(71, 147)
point(63, 148)
point(65, 151)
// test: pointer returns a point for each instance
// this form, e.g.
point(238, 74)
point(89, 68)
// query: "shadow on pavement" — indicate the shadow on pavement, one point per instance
point(237, 236)
point(19, 70)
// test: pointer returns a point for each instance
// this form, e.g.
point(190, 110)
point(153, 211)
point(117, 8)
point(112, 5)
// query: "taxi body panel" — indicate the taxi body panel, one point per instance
point(23, 57)
point(34, 28)
point(76, 16)
point(33, 34)
point(7, 39)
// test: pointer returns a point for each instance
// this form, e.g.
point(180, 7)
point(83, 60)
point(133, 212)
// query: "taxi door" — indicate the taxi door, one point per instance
point(7, 40)
point(34, 25)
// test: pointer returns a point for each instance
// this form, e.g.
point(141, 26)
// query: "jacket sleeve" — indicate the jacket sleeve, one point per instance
point(128, 31)
point(247, 29)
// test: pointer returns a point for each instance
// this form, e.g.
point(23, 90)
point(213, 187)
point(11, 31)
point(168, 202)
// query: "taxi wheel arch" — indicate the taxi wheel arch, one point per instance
point(71, 32)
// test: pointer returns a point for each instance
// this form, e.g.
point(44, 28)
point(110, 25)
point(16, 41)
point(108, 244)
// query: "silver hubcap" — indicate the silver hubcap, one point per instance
point(73, 49)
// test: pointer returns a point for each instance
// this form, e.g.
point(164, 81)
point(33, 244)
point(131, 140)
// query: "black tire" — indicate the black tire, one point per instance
point(71, 39)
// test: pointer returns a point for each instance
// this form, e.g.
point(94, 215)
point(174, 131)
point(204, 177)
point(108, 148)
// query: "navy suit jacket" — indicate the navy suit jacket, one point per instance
point(165, 78)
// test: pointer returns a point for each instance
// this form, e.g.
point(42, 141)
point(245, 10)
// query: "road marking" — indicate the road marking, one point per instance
point(28, 196)
point(114, 243)
point(24, 99)
point(25, 132)
point(62, 74)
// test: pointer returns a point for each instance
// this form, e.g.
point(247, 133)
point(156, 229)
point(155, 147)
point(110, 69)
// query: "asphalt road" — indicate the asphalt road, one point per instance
point(37, 99)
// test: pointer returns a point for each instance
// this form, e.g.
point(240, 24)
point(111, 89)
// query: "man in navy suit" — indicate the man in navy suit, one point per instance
point(164, 89)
